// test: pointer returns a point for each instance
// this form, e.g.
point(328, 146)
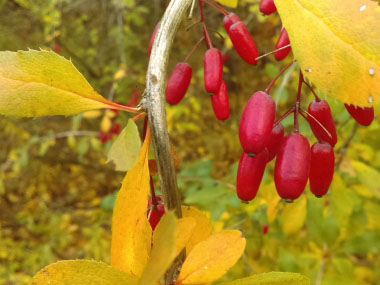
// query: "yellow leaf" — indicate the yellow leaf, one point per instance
point(373, 215)
point(368, 176)
point(294, 215)
point(337, 45)
point(270, 195)
point(229, 3)
point(40, 83)
point(84, 272)
point(93, 114)
point(272, 278)
point(203, 227)
point(210, 259)
point(163, 250)
point(185, 229)
point(131, 232)
point(106, 124)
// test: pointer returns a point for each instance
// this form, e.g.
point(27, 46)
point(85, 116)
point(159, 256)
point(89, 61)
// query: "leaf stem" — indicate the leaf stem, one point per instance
point(278, 75)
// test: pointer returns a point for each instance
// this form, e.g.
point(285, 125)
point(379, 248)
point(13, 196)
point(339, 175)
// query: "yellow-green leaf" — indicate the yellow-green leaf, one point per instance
point(210, 259)
point(185, 230)
point(83, 272)
point(337, 45)
point(43, 83)
point(125, 149)
point(229, 3)
point(367, 175)
point(163, 250)
point(131, 232)
point(272, 278)
point(203, 227)
point(294, 215)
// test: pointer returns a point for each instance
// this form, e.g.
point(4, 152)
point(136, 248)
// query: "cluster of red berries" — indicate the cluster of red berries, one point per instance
point(107, 136)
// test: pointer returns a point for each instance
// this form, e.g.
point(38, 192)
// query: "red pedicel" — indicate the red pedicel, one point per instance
point(249, 175)
point(178, 83)
point(220, 102)
point(283, 40)
point(267, 7)
point(321, 168)
point(291, 170)
point(230, 19)
point(257, 122)
point(152, 38)
point(320, 110)
point(213, 70)
point(243, 42)
point(364, 116)
point(155, 215)
point(274, 141)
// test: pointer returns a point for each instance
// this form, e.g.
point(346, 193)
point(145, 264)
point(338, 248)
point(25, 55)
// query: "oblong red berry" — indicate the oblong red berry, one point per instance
point(155, 213)
point(249, 175)
point(274, 141)
point(291, 170)
point(364, 116)
point(282, 41)
point(152, 38)
point(257, 122)
point(320, 110)
point(213, 70)
point(230, 19)
point(267, 7)
point(178, 83)
point(321, 168)
point(243, 42)
point(220, 102)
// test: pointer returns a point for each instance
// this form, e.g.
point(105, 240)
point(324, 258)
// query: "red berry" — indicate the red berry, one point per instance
point(134, 99)
point(364, 116)
point(282, 41)
point(320, 110)
point(265, 229)
point(178, 83)
point(243, 42)
point(267, 7)
point(220, 102)
point(230, 19)
point(115, 129)
point(321, 168)
point(155, 215)
point(257, 122)
point(152, 38)
point(291, 170)
point(249, 175)
point(213, 70)
point(274, 141)
point(103, 137)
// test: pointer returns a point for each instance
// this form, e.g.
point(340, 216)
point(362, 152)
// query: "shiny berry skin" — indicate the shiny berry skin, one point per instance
point(267, 7)
point(291, 170)
point(155, 216)
point(320, 110)
point(220, 102)
point(243, 42)
point(273, 144)
point(282, 41)
point(178, 83)
point(321, 168)
point(230, 19)
point(249, 175)
point(257, 122)
point(364, 116)
point(152, 38)
point(213, 70)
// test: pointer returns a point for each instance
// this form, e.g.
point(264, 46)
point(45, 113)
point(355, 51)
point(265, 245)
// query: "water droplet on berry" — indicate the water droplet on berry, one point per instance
point(371, 71)
point(362, 8)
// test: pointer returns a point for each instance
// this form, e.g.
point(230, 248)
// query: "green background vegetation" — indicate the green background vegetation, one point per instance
point(56, 192)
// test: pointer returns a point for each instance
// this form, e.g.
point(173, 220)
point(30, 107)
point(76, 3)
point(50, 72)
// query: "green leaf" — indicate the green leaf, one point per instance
point(272, 278)
point(125, 150)
point(84, 272)
point(163, 250)
point(43, 83)
point(369, 176)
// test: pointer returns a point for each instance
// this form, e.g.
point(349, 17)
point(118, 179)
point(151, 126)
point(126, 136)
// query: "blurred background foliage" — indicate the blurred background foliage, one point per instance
point(57, 193)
